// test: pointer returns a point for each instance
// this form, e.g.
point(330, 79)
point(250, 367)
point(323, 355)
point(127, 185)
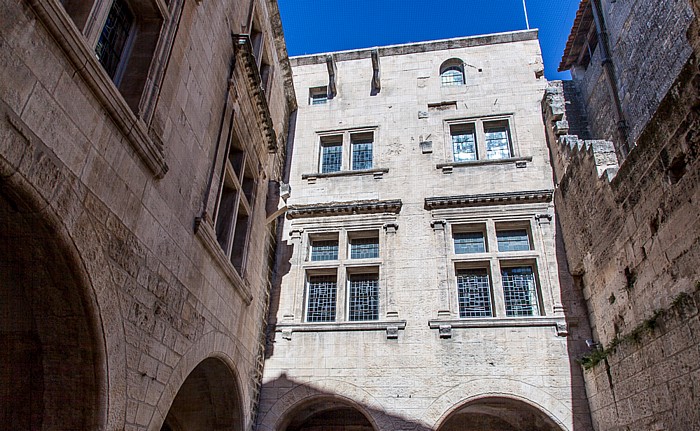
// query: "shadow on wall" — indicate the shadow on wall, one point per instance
point(304, 407)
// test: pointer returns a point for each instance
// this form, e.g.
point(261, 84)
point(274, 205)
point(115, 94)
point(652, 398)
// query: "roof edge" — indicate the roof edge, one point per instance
point(417, 47)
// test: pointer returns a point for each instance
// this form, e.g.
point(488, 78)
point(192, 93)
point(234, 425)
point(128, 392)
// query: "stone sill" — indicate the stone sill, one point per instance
point(520, 162)
point(559, 323)
point(340, 326)
point(204, 230)
point(59, 24)
point(378, 173)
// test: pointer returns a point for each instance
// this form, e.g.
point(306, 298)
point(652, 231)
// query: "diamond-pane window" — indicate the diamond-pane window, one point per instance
point(520, 291)
point(364, 248)
point(321, 297)
point(469, 242)
point(363, 300)
point(112, 43)
point(324, 250)
point(513, 240)
point(497, 142)
point(474, 293)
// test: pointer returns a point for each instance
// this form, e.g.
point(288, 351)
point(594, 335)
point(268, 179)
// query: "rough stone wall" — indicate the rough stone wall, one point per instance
point(418, 378)
point(163, 303)
point(648, 49)
point(632, 236)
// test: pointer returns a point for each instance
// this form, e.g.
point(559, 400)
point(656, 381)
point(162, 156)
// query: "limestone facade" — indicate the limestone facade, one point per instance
point(624, 145)
point(420, 280)
point(130, 300)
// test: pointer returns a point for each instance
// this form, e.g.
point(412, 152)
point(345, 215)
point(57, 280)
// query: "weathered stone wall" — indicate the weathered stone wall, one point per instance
point(648, 49)
point(162, 302)
point(419, 363)
point(632, 236)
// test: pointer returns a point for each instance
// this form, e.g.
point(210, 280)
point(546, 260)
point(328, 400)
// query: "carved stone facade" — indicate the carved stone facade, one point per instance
point(129, 298)
point(629, 205)
point(420, 282)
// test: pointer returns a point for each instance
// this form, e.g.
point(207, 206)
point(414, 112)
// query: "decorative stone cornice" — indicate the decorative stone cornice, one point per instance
point(344, 208)
point(244, 51)
point(533, 196)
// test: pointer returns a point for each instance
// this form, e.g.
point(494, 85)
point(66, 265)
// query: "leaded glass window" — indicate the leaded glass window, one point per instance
point(331, 157)
point(112, 43)
point(324, 250)
point(361, 155)
point(364, 248)
point(321, 297)
point(474, 293)
point(497, 142)
point(363, 297)
point(463, 143)
point(520, 291)
point(513, 240)
point(469, 242)
point(451, 76)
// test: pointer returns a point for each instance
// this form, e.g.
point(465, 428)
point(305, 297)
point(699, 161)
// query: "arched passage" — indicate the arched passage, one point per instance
point(326, 414)
point(51, 362)
point(498, 414)
point(209, 399)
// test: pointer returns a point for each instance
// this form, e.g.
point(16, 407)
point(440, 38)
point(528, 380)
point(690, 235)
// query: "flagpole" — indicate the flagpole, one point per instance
point(527, 22)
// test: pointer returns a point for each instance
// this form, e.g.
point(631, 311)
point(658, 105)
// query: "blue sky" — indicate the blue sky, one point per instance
point(313, 26)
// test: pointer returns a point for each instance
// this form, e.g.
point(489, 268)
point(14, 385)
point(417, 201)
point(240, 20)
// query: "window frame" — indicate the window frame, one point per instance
point(372, 274)
point(346, 140)
point(449, 69)
point(462, 268)
point(479, 127)
point(329, 274)
point(318, 95)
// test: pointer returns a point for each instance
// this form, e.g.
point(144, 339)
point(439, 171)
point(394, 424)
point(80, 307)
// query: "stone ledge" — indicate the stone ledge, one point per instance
point(508, 322)
point(344, 208)
point(204, 230)
point(58, 23)
point(518, 161)
point(377, 172)
point(534, 196)
point(341, 326)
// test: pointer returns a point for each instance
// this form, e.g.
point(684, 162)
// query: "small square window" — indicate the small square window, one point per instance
point(469, 242)
point(321, 292)
point(463, 142)
point(331, 154)
point(497, 136)
point(324, 250)
point(318, 95)
point(513, 240)
point(364, 248)
point(474, 293)
point(362, 151)
point(520, 291)
point(363, 297)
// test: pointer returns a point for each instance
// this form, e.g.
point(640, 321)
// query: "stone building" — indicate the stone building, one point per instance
point(420, 282)
point(624, 136)
point(141, 142)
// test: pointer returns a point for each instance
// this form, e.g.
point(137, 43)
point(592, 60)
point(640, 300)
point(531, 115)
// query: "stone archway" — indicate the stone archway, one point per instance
point(498, 414)
point(208, 399)
point(326, 414)
point(51, 363)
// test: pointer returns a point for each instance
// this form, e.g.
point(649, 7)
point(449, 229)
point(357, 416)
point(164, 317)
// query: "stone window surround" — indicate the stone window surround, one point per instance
point(345, 135)
point(535, 215)
point(478, 124)
point(79, 48)
point(452, 64)
point(301, 232)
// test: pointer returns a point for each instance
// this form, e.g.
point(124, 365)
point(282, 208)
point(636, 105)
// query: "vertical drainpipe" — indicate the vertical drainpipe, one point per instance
point(609, 70)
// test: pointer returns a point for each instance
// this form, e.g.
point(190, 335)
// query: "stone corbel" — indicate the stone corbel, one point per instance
point(438, 225)
point(391, 228)
point(376, 82)
point(543, 218)
point(332, 76)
